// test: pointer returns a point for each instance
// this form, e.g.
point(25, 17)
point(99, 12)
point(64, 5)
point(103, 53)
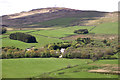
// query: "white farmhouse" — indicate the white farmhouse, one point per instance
point(62, 50)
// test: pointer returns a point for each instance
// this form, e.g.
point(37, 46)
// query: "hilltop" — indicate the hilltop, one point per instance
point(57, 16)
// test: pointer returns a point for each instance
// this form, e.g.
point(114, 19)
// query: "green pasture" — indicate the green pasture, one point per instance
point(106, 28)
point(42, 41)
point(52, 36)
point(43, 37)
point(107, 62)
point(31, 67)
point(62, 32)
point(51, 67)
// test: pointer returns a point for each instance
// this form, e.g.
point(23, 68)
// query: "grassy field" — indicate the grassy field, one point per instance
point(24, 68)
point(62, 32)
point(42, 41)
point(52, 36)
point(43, 37)
point(106, 28)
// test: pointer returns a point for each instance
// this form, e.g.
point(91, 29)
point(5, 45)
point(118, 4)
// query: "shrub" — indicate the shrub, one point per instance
point(52, 47)
point(10, 55)
point(4, 30)
point(64, 45)
point(4, 55)
point(23, 37)
point(118, 47)
point(58, 46)
point(105, 41)
point(81, 31)
point(54, 53)
point(94, 59)
point(113, 57)
point(109, 52)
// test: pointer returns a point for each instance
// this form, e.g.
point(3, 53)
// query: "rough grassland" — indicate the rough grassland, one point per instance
point(56, 22)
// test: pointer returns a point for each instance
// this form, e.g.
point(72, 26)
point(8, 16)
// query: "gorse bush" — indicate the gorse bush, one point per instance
point(23, 37)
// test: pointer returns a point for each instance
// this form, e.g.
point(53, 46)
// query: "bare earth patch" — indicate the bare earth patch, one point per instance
point(106, 68)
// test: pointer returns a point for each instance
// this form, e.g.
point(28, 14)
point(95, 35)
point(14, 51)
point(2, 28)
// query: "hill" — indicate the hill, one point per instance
point(57, 16)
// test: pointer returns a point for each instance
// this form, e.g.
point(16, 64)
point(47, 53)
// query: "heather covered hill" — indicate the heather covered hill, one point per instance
point(47, 17)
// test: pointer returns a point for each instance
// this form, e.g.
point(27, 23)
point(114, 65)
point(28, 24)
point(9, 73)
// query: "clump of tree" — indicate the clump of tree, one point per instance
point(81, 31)
point(84, 40)
point(23, 37)
point(4, 30)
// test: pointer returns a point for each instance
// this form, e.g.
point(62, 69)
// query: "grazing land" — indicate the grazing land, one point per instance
point(65, 68)
point(45, 37)
point(106, 28)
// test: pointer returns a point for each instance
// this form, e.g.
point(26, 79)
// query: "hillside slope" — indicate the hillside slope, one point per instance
point(54, 16)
